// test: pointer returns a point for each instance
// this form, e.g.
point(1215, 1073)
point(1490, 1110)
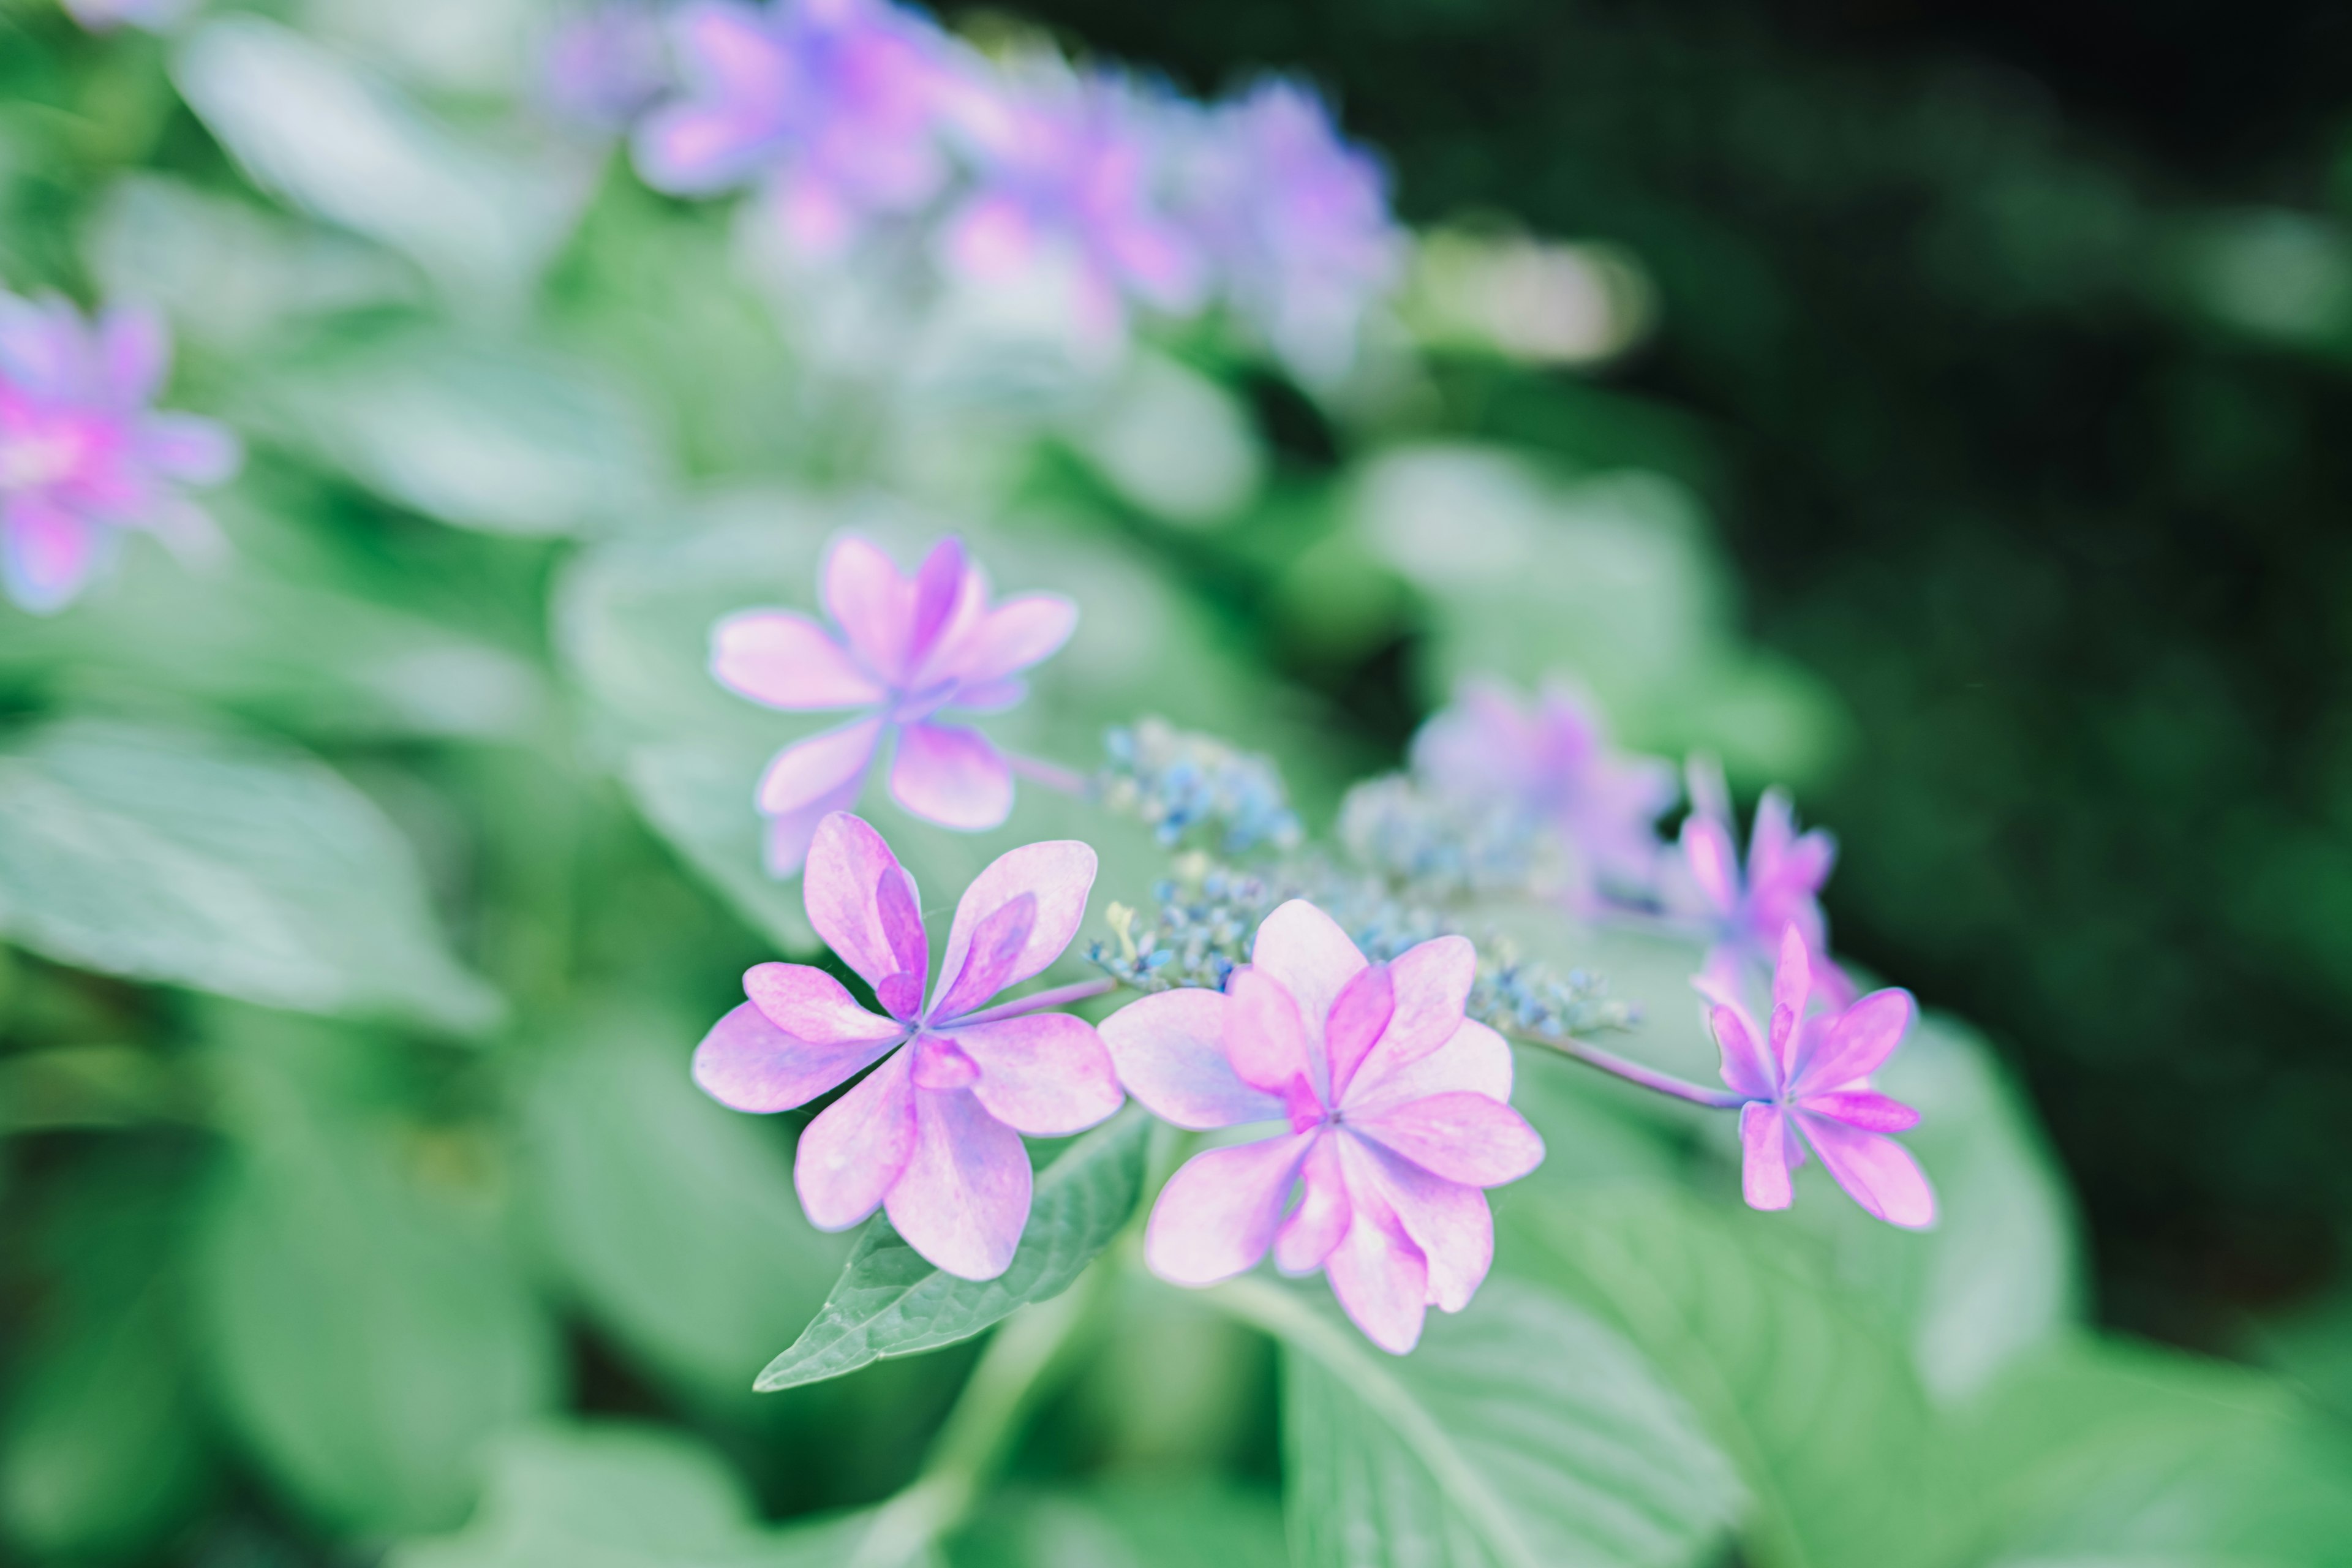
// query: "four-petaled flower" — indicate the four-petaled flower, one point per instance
point(909, 648)
point(82, 456)
point(932, 1135)
point(1398, 1116)
point(1781, 887)
point(1808, 1081)
point(1552, 761)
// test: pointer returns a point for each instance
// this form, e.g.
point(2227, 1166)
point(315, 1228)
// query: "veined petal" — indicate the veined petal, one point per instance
point(1714, 863)
point(1216, 1217)
point(1468, 1138)
point(1047, 1074)
point(1265, 1039)
point(812, 770)
point(1014, 635)
point(951, 775)
point(855, 1149)
point(1360, 1016)
point(872, 604)
point(1319, 1222)
point(1447, 1221)
point(944, 583)
point(963, 1199)
point(995, 946)
point(1855, 1043)
point(846, 865)
point(1476, 1061)
point(1876, 1171)
point(1767, 1152)
point(1057, 873)
point(787, 660)
point(1379, 1274)
point(747, 1063)
point(1865, 1109)
point(1170, 1050)
point(1747, 1068)
point(1304, 949)
point(812, 1006)
point(1430, 982)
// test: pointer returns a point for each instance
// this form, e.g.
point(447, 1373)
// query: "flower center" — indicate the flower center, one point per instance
point(940, 1063)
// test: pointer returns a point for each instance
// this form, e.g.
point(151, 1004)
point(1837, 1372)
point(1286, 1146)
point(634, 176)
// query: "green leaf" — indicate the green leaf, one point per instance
point(672, 1218)
point(1130, 1524)
point(621, 1497)
point(890, 1302)
point(1822, 1415)
point(253, 871)
point(369, 1335)
point(1520, 1434)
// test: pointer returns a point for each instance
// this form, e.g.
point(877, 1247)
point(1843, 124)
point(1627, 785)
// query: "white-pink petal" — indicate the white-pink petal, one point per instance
point(1855, 1043)
point(846, 862)
point(1216, 1217)
point(1430, 982)
point(747, 1063)
point(1379, 1275)
point(1449, 1221)
point(1876, 1171)
point(870, 601)
point(1319, 1222)
point(1169, 1051)
point(1059, 873)
point(1466, 1138)
point(787, 660)
point(1307, 952)
point(1747, 1068)
point(1009, 638)
point(1476, 1061)
point(821, 766)
point(1767, 1152)
point(1047, 1074)
point(810, 1004)
point(950, 775)
point(857, 1147)
point(963, 1197)
point(1265, 1039)
point(47, 553)
point(1714, 863)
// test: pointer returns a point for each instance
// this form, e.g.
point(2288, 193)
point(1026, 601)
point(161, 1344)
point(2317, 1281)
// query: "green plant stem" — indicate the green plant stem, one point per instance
point(1633, 1072)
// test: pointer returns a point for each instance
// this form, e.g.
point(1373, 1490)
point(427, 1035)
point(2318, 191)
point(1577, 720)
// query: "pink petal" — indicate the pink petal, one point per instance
point(995, 946)
point(786, 661)
point(46, 553)
point(1862, 1108)
point(1431, 983)
point(1057, 873)
point(1320, 1220)
point(1381, 1277)
point(1805, 866)
point(1265, 1039)
point(1769, 836)
point(192, 450)
point(1766, 1155)
point(693, 149)
point(1792, 980)
point(1476, 1061)
point(1169, 1051)
point(941, 586)
point(1714, 863)
point(41, 346)
point(1047, 1074)
point(1156, 261)
point(963, 1199)
point(790, 834)
point(729, 51)
point(1448, 1222)
point(1877, 1172)
point(1303, 949)
point(1466, 1138)
point(135, 353)
point(857, 1147)
point(1747, 1068)
point(808, 771)
point(1856, 1042)
point(846, 863)
point(951, 775)
point(1359, 1016)
point(990, 240)
point(1216, 1217)
point(812, 1006)
point(871, 603)
point(747, 1063)
point(901, 992)
point(990, 696)
point(1010, 637)
point(817, 218)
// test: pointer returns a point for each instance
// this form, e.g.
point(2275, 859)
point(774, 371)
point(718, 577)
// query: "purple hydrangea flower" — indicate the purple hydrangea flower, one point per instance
point(1070, 177)
point(1398, 1111)
point(1808, 1082)
point(908, 649)
point(1297, 221)
point(602, 68)
point(1748, 910)
point(834, 105)
point(1552, 760)
point(933, 1136)
point(82, 455)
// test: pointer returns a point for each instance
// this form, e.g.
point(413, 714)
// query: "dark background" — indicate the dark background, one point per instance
point(2001, 459)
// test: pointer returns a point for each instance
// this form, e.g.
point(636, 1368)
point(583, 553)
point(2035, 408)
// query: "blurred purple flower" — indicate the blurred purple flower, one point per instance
point(834, 105)
point(1779, 888)
point(1398, 1108)
point(1070, 177)
point(909, 648)
point(933, 1135)
point(82, 456)
point(1551, 761)
point(1297, 220)
point(604, 67)
point(1808, 1081)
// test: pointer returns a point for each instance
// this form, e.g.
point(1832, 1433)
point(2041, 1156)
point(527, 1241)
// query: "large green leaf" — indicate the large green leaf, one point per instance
point(621, 1497)
point(672, 1218)
point(1129, 1523)
point(889, 1302)
point(369, 1335)
point(1520, 1434)
point(174, 856)
point(1821, 1413)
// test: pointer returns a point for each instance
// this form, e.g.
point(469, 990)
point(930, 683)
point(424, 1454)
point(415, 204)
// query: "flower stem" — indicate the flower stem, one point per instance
point(1051, 774)
point(1059, 996)
point(1635, 1073)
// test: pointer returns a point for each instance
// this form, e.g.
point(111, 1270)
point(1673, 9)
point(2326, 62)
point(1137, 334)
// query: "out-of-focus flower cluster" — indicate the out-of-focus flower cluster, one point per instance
point(856, 119)
point(1196, 791)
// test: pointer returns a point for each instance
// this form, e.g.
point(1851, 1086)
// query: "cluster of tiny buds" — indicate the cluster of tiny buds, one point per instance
point(1196, 791)
point(1446, 850)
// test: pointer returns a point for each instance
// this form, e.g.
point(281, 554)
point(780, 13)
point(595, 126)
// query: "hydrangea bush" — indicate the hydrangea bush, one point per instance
point(491, 1059)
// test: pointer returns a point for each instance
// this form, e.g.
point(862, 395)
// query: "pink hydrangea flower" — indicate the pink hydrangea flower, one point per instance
point(1748, 910)
point(1808, 1082)
point(1398, 1116)
point(82, 456)
point(908, 649)
point(834, 105)
point(1551, 760)
point(933, 1136)
point(603, 66)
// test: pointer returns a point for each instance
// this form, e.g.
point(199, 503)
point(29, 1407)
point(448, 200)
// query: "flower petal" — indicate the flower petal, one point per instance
point(1047, 1074)
point(747, 1063)
point(1380, 1276)
point(1170, 1050)
point(134, 354)
point(951, 775)
point(790, 833)
point(1714, 863)
point(46, 553)
point(1217, 1215)
point(189, 449)
point(944, 593)
point(1058, 873)
point(1448, 1221)
point(871, 602)
point(693, 149)
point(42, 345)
point(1264, 1038)
point(1320, 1221)
point(1304, 949)
point(963, 1199)
point(858, 1146)
point(1431, 983)
point(1466, 1138)
point(812, 1006)
point(1855, 1042)
point(1747, 1068)
point(1359, 1015)
point(1769, 835)
point(1476, 1061)
point(1765, 1156)
point(1877, 1172)
point(808, 771)
point(995, 946)
point(1014, 635)
point(787, 660)
point(1870, 1112)
point(846, 863)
